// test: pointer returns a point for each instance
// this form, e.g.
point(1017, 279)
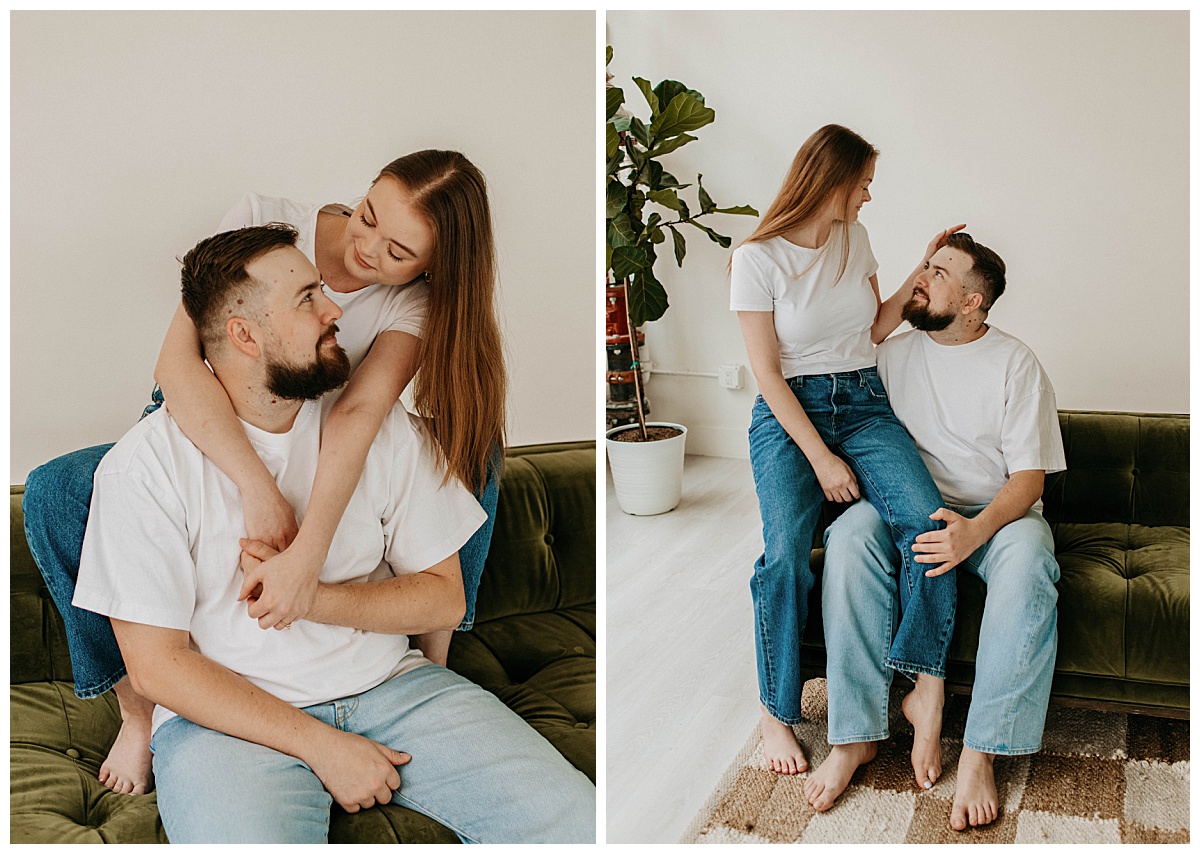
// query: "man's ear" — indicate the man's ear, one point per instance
point(244, 335)
point(972, 303)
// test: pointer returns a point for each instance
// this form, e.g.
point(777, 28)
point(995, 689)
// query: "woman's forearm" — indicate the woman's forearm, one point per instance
point(200, 406)
point(792, 417)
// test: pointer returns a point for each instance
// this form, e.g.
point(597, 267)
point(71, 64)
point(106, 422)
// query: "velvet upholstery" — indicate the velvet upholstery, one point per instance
point(533, 645)
point(1120, 518)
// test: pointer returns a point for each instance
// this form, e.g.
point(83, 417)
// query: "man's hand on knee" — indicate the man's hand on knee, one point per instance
point(358, 772)
point(951, 545)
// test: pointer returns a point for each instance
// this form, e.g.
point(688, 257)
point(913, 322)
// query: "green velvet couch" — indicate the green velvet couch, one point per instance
point(533, 645)
point(1120, 519)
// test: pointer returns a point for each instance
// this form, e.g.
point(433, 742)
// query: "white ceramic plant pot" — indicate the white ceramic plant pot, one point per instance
point(648, 476)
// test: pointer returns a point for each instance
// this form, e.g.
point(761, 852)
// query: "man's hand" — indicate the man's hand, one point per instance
point(358, 772)
point(951, 545)
point(836, 478)
point(279, 587)
point(269, 518)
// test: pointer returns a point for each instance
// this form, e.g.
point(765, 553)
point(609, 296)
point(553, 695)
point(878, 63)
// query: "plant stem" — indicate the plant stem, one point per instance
point(637, 363)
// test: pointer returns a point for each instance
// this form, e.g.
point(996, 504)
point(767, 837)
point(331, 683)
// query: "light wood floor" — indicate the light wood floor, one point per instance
point(681, 691)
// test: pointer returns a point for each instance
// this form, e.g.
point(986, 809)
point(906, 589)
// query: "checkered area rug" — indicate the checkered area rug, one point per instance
point(1100, 777)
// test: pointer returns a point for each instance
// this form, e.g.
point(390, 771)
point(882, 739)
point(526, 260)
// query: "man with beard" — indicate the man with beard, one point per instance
point(257, 733)
point(983, 415)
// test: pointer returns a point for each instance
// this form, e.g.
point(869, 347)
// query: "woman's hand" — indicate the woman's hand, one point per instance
point(278, 587)
point(836, 478)
point(940, 240)
point(269, 517)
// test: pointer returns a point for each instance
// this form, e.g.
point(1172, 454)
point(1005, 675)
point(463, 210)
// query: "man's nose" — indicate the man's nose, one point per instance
point(332, 311)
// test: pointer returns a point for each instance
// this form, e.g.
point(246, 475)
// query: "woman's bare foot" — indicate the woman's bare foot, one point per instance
point(128, 767)
point(923, 708)
point(833, 775)
point(976, 802)
point(783, 753)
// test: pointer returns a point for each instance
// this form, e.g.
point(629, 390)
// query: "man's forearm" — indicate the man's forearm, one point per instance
point(1012, 502)
point(411, 604)
point(206, 693)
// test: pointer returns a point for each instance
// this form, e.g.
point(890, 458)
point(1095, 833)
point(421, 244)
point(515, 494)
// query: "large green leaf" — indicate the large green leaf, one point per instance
point(669, 180)
point(621, 123)
point(612, 141)
point(680, 245)
point(683, 114)
point(639, 131)
point(627, 260)
point(713, 236)
point(666, 146)
point(607, 54)
point(740, 209)
point(668, 199)
point(648, 93)
point(668, 89)
point(615, 98)
point(647, 298)
point(615, 199)
point(707, 205)
point(620, 231)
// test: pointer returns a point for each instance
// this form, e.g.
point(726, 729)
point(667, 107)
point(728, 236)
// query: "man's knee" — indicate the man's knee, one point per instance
point(859, 533)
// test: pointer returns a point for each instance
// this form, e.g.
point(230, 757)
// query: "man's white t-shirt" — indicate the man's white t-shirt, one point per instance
point(366, 312)
point(978, 412)
point(162, 548)
point(822, 327)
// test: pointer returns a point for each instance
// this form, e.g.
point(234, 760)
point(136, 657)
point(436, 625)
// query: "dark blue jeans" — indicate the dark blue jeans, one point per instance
point(852, 414)
point(57, 497)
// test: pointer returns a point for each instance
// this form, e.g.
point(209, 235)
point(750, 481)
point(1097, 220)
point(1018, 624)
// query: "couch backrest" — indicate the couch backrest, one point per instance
point(543, 555)
point(1121, 467)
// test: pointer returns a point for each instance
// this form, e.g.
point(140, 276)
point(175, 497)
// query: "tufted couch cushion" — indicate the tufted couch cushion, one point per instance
point(534, 645)
point(1120, 517)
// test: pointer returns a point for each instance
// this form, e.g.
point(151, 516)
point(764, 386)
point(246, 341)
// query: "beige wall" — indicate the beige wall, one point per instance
point(133, 134)
point(1061, 139)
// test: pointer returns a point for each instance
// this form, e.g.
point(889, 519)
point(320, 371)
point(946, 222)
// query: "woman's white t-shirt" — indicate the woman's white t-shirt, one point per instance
point(822, 327)
point(366, 312)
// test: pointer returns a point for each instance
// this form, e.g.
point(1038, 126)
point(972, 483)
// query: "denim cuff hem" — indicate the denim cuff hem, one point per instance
point(90, 693)
point(911, 670)
point(858, 739)
point(783, 719)
point(1004, 751)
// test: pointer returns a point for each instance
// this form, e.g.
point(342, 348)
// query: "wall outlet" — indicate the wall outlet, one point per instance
point(730, 376)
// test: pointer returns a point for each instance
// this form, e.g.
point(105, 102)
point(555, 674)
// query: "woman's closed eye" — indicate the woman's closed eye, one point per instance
point(372, 225)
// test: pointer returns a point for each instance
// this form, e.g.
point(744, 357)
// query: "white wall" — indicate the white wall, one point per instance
point(133, 133)
point(1061, 139)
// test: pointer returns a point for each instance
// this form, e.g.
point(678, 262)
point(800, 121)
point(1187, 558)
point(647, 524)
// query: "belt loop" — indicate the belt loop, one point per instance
point(862, 379)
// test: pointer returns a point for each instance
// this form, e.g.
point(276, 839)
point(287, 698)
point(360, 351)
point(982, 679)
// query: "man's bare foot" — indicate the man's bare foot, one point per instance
point(976, 802)
point(128, 767)
point(833, 775)
point(923, 708)
point(783, 753)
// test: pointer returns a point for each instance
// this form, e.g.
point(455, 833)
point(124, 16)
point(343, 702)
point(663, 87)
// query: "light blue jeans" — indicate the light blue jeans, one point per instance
point(476, 768)
point(56, 502)
point(1018, 638)
point(852, 414)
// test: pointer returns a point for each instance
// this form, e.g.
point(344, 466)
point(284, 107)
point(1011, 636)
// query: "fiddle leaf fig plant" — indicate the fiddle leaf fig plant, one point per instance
point(636, 178)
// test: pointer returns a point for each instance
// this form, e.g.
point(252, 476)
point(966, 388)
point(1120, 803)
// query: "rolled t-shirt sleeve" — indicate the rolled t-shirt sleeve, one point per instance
point(749, 288)
point(245, 213)
point(872, 264)
point(425, 521)
point(407, 309)
point(1031, 438)
point(136, 564)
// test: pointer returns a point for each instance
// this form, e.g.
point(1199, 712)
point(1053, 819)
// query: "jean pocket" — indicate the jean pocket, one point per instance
point(875, 386)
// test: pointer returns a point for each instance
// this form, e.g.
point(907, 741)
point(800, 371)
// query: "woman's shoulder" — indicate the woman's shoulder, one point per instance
point(257, 209)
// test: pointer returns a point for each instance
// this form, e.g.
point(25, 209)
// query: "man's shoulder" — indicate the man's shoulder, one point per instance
point(901, 343)
point(144, 444)
point(1018, 355)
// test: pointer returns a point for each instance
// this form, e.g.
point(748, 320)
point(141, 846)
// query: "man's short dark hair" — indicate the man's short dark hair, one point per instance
point(987, 270)
point(215, 282)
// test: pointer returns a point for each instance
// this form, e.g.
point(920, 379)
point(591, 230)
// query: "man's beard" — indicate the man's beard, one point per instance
point(328, 371)
point(922, 318)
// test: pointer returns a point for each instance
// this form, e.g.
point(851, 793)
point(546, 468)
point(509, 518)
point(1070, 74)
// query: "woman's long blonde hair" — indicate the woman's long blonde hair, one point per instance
point(460, 385)
point(829, 165)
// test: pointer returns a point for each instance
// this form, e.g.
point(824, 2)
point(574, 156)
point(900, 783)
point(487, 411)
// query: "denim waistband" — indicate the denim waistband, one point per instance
point(860, 375)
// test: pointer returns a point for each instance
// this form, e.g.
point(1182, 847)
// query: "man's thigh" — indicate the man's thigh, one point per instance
point(476, 766)
point(216, 788)
point(1020, 553)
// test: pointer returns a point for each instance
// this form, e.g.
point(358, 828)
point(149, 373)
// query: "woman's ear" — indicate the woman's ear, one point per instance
point(244, 336)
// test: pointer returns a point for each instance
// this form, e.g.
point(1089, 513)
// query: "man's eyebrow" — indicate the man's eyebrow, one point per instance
point(936, 267)
point(371, 208)
point(311, 286)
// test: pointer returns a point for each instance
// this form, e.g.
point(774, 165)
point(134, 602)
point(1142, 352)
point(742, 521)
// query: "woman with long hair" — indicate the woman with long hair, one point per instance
point(805, 288)
point(412, 267)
